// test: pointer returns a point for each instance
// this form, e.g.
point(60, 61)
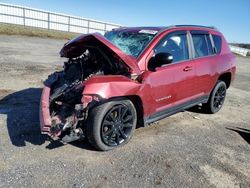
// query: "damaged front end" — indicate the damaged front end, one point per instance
point(61, 110)
point(64, 108)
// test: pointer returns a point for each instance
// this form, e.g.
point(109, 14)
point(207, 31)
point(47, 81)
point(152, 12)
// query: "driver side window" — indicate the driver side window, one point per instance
point(175, 44)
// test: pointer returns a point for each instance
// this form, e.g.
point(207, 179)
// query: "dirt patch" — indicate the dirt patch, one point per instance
point(219, 178)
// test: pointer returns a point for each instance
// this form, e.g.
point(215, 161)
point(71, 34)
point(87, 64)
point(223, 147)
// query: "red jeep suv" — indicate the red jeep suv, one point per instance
point(132, 77)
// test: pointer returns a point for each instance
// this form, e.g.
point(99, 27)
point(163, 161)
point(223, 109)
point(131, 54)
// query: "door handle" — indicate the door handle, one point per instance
point(187, 68)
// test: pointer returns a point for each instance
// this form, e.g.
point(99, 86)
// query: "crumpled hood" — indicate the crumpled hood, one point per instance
point(75, 47)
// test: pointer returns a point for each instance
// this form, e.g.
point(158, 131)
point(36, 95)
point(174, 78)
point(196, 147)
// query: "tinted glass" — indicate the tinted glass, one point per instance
point(217, 43)
point(176, 45)
point(202, 45)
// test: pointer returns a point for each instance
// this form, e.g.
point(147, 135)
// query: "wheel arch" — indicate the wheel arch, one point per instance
point(226, 77)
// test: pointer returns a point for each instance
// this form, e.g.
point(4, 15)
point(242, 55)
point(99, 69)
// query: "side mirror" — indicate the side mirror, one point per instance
point(160, 59)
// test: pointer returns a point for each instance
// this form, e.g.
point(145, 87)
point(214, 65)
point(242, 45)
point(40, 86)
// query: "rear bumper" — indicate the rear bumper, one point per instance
point(44, 114)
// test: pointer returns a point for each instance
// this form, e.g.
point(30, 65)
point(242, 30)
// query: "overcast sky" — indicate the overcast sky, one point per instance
point(231, 17)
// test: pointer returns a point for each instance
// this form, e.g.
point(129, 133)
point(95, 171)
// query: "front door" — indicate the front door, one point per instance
point(172, 84)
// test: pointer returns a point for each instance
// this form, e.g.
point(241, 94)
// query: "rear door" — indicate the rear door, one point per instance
point(204, 59)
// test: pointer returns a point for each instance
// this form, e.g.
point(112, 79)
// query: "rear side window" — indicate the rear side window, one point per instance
point(217, 43)
point(175, 44)
point(202, 45)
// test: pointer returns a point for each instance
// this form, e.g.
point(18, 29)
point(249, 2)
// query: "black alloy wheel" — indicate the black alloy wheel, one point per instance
point(117, 125)
point(217, 98)
point(111, 124)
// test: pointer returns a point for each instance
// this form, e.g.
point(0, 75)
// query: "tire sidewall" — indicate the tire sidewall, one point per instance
point(218, 85)
point(96, 118)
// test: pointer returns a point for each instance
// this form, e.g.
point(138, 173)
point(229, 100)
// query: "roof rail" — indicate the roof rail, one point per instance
point(202, 26)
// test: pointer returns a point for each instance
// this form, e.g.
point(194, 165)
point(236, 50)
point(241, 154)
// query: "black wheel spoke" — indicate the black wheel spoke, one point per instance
point(107, 133)
point(117, 138)
point(124, 136)
point(124, 112)
point(106, 122)
point(112, 117)
point(128, 118)
point(110, 139)
point(119, 112)
point(128, 125)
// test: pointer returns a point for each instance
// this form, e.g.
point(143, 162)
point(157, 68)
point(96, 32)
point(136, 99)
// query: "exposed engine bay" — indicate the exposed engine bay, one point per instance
point(67, 112)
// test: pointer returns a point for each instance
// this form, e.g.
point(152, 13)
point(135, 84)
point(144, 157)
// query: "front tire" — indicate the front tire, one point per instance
point(217, 98)
point(111, 124)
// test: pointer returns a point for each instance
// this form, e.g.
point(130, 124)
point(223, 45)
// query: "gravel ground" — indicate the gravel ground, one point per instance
point(189, 149)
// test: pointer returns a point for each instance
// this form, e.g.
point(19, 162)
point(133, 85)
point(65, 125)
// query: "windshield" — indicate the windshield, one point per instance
point(131, 42)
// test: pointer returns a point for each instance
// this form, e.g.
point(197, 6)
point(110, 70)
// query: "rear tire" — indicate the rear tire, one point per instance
point(111, 124)
point(216, 99)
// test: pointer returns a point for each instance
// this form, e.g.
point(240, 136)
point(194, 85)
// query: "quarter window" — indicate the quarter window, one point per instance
point(217, 43)
point(176, 45)
point(202, 45)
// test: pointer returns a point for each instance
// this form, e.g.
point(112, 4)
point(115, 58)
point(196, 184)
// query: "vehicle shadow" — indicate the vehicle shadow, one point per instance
point(22, 110)
point(197, 109)
point(244, 133)
point(83, 144)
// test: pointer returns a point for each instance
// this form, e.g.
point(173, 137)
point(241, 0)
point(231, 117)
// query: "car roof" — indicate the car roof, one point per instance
point(163, 28)
point(139, 28)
